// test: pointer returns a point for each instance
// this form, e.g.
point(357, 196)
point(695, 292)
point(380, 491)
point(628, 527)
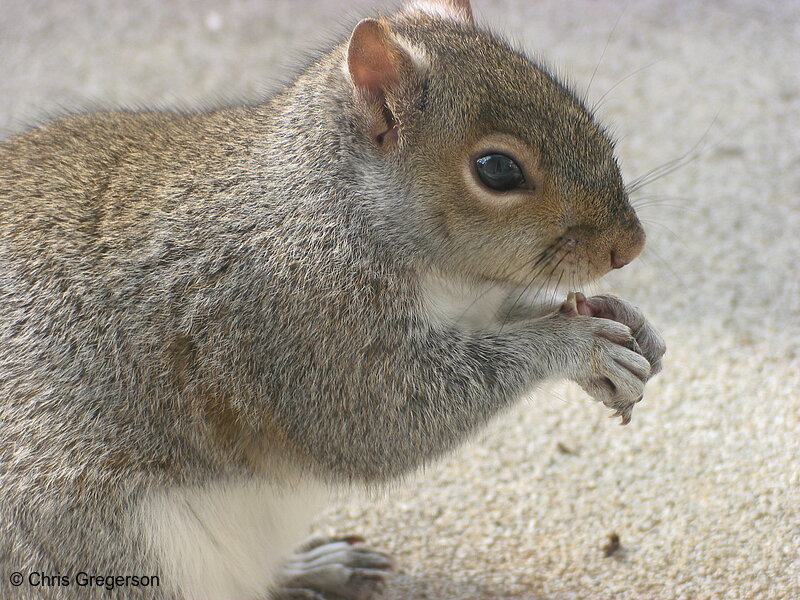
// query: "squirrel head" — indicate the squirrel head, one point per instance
point(507, 169)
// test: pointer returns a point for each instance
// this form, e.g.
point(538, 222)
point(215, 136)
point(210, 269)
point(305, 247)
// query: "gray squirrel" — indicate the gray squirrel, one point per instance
point(210, 320)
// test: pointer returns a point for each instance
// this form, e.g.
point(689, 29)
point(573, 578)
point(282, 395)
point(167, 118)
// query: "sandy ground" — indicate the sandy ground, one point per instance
point(703, 488)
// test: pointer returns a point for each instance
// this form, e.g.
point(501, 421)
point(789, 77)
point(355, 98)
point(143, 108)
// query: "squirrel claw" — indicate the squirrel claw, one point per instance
point(576, 305)
point(624, 414)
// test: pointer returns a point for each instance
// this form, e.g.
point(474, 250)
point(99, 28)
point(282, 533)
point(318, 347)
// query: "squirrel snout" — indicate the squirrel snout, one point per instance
point(617, 262)
point(624, 251)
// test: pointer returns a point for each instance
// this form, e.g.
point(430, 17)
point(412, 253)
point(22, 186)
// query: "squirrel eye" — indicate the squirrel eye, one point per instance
point(499, 172)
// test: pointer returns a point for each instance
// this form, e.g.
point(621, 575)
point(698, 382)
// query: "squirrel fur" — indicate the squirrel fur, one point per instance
point(216, 316)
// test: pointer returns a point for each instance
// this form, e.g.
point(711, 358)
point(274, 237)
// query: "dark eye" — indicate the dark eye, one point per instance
point(499, 172)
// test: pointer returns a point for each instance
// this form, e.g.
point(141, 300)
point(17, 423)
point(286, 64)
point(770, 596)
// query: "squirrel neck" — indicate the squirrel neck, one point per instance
point(315, 145)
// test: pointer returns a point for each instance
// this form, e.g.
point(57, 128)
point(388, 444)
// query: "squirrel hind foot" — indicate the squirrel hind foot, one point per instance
point(338, 567)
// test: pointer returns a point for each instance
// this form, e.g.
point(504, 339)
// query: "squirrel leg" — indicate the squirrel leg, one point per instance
point(327, 568)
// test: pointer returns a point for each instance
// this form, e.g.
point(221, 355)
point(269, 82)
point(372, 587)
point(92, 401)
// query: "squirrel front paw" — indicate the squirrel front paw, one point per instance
point(625, 351)
point(606, 306)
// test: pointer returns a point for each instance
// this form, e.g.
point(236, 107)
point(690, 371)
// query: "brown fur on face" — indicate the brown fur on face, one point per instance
point(573, 222)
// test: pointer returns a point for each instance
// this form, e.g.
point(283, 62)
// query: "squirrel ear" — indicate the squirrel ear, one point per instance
point(459, 10)
point(376, 63)
point(371, 58)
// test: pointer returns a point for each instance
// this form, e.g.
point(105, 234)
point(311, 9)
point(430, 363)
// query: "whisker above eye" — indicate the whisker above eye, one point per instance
point(603, 53)
point(599, 103)
point(669, 167)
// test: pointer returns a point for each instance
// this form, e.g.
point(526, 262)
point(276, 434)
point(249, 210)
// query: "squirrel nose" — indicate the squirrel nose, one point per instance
point(616, 262)
point(624, 252)
point(628, 246)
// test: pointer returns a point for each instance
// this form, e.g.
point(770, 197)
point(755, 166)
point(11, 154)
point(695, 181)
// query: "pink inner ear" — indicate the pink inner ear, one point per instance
point(369, 58)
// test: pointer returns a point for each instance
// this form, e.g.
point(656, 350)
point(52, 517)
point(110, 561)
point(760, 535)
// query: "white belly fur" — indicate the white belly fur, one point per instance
point(227, 540)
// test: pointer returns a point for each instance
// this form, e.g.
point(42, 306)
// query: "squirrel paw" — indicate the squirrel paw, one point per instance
point(625, 351)
point(340, 568)
point(651, 344)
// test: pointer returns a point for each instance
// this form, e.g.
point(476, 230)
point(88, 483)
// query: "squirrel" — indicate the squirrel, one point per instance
point(210, 320)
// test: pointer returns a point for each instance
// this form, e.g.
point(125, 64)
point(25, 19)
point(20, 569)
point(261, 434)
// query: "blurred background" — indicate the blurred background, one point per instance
point(703, 487)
